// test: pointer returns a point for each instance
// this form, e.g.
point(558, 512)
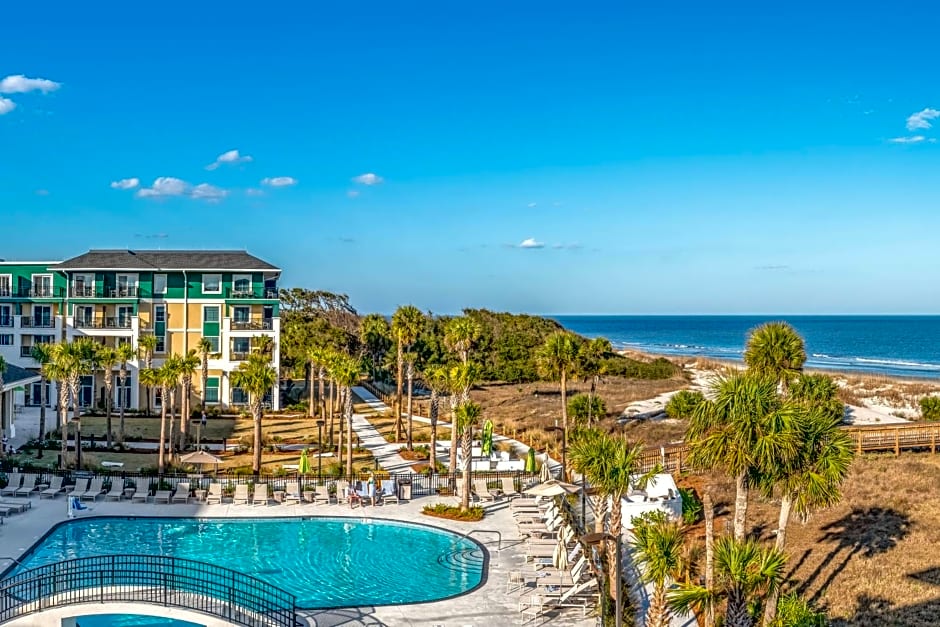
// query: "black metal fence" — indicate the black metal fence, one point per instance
point(152, 579)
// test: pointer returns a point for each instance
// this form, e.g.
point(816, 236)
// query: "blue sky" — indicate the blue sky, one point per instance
point(543, 157)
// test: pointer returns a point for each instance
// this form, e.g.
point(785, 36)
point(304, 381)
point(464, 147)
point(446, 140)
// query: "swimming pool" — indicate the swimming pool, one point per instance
point(325, 562)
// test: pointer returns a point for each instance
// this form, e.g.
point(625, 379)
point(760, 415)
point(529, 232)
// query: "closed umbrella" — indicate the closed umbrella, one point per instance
point(486, 444)
point(545, 472)
point(560, 556)
point(303, 467)
point(530, 465)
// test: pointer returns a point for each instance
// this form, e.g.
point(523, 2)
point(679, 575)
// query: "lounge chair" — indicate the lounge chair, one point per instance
point(28, 487)
point(81, 486)
point(293, 492)
point(509, 488)
point(117, 490)
point(140, 495)
point(353, 494)
point(182, 492)
point(95, 489)
point(389, 493)
point(17, 506)
point(214, 495)
point(13, 484)
point(260, 496)
point(241, 494)
point(321, 494)
point(55, 487)
point(162, 495)
point(579, 595)
point(368, 493)
point(482, 491)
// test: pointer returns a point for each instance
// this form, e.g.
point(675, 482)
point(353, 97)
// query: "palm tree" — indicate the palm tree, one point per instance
point(410, 376)
point(460, 334)
point(204, 348)
point(172, 367)
point(557, 359)
point(460, 379)
point(375, 336)
point(744, 573)
point(743, 428)
point(319, 358)
point(437, 380)
point(591, 364)
point(108, 359)
point(466, 417)
point(777, 351)
point(125, 353)
point(188, 364)
point(58, 370)
point(809, 480)
point(81, 359)
point(42, 354)
point(149, 379)
point(820, 391)
point(610, 464)
point(164, 377)
point(659, 548)
point(257, 377)
point(3, 370)
point(345, 371)
point(148, 345)
point(407, 322)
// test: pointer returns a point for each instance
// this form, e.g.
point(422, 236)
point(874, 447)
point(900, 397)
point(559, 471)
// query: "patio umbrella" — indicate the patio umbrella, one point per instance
point(545, 472)
point(553, 487)
point(303, 466)
point(486, 445)
point(530, 461)
point(201, 458)
point(560, 556)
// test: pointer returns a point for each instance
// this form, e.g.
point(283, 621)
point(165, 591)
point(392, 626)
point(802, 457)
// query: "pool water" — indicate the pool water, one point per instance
point(130, 620)
point(324, 562)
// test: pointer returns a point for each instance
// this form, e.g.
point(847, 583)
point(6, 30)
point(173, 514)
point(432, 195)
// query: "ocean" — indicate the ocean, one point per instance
point(902, 346)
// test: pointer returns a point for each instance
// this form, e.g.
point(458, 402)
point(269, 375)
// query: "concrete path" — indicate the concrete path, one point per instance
point(386, 453)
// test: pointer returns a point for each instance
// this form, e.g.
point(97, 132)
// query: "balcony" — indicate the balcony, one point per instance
point(256, 293)
point(32, 292)
point(6, 322)
point(252, 325)
point(104, 323)
point(105, 292)
point(28, 322)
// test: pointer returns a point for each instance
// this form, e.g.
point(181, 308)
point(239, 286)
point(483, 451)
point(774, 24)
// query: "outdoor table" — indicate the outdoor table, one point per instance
point(200, 494)
point(129, 492)
point(279, 496)
point(308, 496)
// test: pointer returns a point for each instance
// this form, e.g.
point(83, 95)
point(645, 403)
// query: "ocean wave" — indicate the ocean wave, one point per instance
point(821, 356)
point(898, 363)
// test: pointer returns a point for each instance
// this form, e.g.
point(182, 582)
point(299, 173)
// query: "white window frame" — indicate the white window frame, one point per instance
point(155, 282)
point(241, 340)
point(9, 310)
point(6, 335)
point(241, 277)
point(218, 310)
point(239, 307)
point(8, 291)
point(215, 291)
point(88, 280)
point(216, 342)
point(44, 275)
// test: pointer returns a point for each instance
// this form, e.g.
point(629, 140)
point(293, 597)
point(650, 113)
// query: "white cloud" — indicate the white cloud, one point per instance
point(531, 205)
point(204, 191)
point(531, 242)
point(231, 156)
point(42, 192)
point(279, 181)
point(6, 105)
point(921, 119)
point(130, 183)
point(19, 84)
point(352, 193)
point(913, 139)
point(171, 186)
point(254, 191)
point(368, 179)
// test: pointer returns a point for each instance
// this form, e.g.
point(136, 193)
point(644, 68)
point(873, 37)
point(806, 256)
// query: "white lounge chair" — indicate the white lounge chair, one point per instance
point(241, 494)
point(117, 490)
point(321, 494)
point(509, 488)
point(389, 493)
point(214, 495)
point(16, 506)
point(28, 487)
point(80, 487)
point(162, 495)
point(95, 489)
point(293, 492)
point(13, 484)
point(482, 491)
point(181, 495)
point(260, 496)
point(55, 487)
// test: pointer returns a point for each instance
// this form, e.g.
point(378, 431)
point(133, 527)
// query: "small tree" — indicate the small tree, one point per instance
point(125, 353)
point(585, 409)
point(930, 408)
point(257, 377)
point(467, 415)
point(683, 403)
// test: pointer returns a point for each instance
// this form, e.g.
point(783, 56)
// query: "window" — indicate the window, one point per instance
point(214, 343)
point(241, 345)
point(241, 283)
point(122, 397)
point(42, 316)
point(239, 397)
point(43, 339)
point(212, 390)
point(83, 285)
point(210, 313)
point(241, 314)
point(124, 315)
point(212, 284)
point(6, 316)
point(6, 284)
point(6, 339)
point(86, 391)
point(159, 284)
point(126, 285)
point(159, 327)
point(161, 344)
point(42, 285)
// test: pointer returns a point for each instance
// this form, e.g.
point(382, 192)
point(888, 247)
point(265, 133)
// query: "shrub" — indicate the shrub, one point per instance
point(792, 611)
point(692, 508)
point(683, 403)
point(930, 408)
point(579, 405)
point(452, 512)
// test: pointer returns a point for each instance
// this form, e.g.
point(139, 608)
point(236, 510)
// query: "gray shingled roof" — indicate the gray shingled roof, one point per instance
point(15, 376)
point(165, 260)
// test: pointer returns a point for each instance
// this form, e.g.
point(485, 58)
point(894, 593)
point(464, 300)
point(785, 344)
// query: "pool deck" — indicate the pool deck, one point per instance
point(488, 603)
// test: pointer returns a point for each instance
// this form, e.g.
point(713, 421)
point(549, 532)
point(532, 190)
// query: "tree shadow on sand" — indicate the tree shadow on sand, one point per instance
point(864, 532)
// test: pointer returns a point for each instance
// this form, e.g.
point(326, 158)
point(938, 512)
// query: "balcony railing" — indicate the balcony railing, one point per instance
point(106, 292)
point(252, 325)
point(33, 292)
point(104, 323)
point(28, 322)
point(239, 355)
point(257, 292)
point(26, 351)
point(6, 322)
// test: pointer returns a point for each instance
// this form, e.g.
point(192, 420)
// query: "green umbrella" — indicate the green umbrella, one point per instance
point(530, 460)
point(304, 466)
point(486, 446)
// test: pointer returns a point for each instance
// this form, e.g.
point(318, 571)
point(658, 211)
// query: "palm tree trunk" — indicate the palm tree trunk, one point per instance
point(332, 410)
point(185, 410)
point(773, 596)
point(432, 453)
point(121, 408)
point(349, 422)
point(205, 378)
point(598, 504)
point(709, 554)
point(63, 416)
point(591, 400)
point(616, 529)
point(76, 418)
point(311, 397)
point(321, 403)
point(256, 412)
point(736, 614)
point(342, 430)
point(170, 438)
point(161, 453)
point(398, 381)
point(658, 614)
point(410, 389)
point(107, 411)
point(740, 507)
point(453, 433)
point(466, 448)
point(564, 422)
point(42, 414)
